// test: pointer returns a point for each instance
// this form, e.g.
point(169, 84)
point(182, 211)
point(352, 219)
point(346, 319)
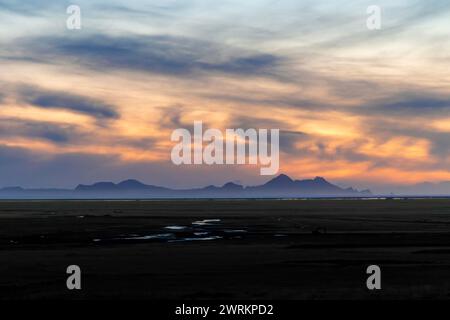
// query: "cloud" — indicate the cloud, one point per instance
point(397, 21)
point(402, 106)
point(171, 118)
point(249, 122)
point(161, 54)
point(413, 103)
point(72, 102)
point(288, 137)
point(67, 134)
point(383, 129)
point(148, 11)
point(54, 132)
point(27, 7)
point(274, 100)
point(245, 65)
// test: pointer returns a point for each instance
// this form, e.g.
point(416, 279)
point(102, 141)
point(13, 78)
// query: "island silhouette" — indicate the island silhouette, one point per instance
point(280, 187)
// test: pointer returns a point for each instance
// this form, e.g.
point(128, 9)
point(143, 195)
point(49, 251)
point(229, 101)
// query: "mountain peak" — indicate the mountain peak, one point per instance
point(232, 186)
point(281, 180)
point(320, 179)
point(131, 183)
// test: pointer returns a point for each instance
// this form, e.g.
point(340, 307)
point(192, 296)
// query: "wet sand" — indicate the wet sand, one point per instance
point(261, 250)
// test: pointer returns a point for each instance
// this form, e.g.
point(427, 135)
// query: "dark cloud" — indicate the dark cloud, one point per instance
point(404, 105)
point(246, 65)
point(66, 134)
point(171, 118)
point(61, 100)
point(289, 140)
point(415, 104)
point(54, 132)
point(157, 54)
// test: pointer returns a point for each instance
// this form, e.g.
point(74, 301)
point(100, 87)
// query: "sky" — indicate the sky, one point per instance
point(363, 108)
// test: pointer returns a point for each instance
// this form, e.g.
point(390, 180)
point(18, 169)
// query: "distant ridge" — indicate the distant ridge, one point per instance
point(281, 181)
point(284, 186)
point(124, 186)
point(280, 187)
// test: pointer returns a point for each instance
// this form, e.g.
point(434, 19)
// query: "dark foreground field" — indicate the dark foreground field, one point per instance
point(248, 249)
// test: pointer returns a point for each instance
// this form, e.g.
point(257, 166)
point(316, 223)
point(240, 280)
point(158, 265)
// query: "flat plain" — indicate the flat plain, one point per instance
point(227, 249)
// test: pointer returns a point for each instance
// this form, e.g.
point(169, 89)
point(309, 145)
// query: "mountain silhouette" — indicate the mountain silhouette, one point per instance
point(283, 186)
point(124, 186)
point(279, 182)
point(280, 187)
point(131, 184)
